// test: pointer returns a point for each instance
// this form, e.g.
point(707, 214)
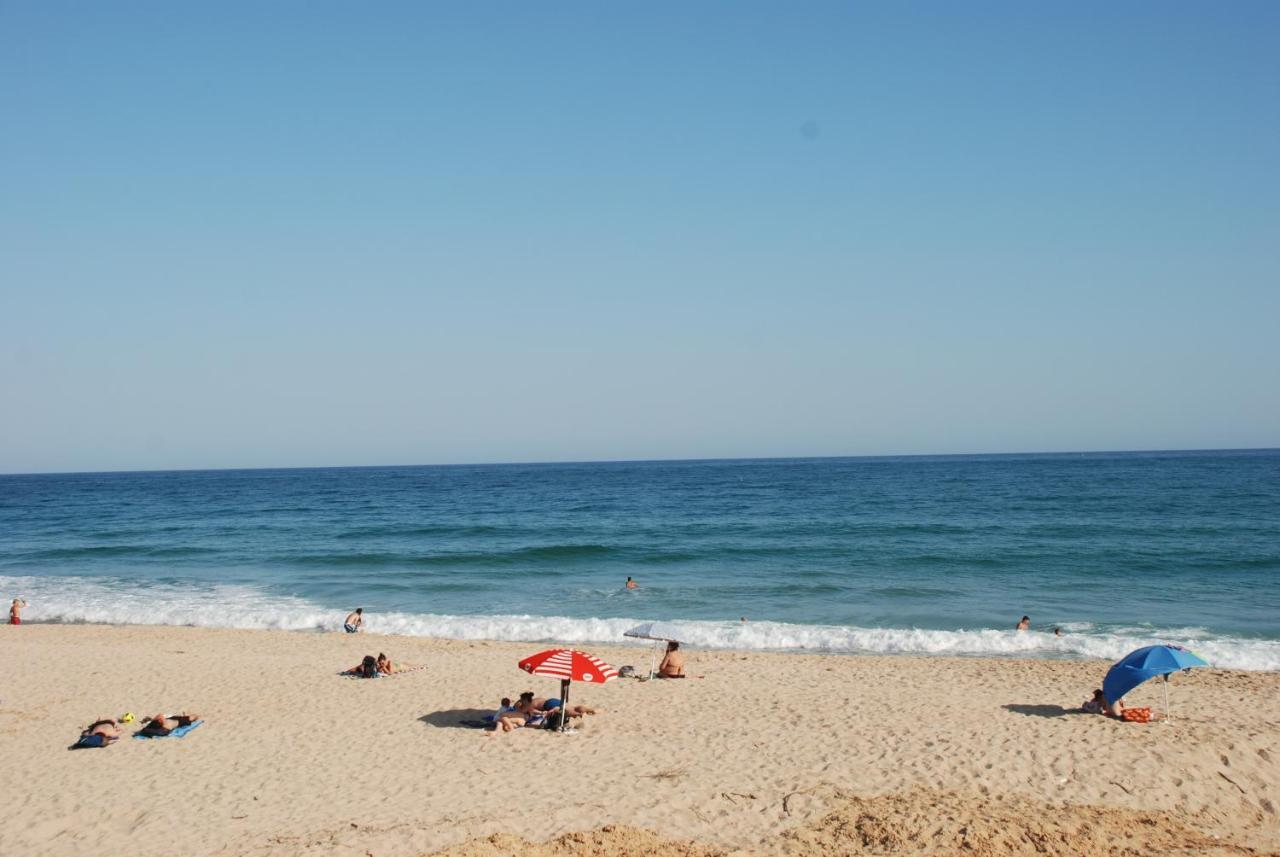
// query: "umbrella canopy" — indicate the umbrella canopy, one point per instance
point(663, 631)
point(569, 665)
point(1148, 662)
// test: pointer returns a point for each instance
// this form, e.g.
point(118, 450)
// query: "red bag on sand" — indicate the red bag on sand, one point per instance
point(1136, 715)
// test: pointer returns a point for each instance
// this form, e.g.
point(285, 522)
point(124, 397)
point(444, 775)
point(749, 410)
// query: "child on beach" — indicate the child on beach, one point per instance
point(508, 717)
point(15, 611)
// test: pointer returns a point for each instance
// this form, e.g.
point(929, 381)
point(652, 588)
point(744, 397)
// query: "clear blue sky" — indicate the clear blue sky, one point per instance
point(329, 233)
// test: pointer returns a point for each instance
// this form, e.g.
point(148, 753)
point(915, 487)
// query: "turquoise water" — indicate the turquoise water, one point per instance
point(918, 554)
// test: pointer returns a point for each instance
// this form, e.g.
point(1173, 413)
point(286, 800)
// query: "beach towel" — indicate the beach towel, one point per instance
point(175, 733)
point(399, 672)
point(1136, 715)
point(87, 742)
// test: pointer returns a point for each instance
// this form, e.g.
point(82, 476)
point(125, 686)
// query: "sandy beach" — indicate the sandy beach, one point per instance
point(757, 754)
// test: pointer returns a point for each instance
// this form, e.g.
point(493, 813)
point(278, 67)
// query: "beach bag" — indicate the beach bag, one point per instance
point(1136, 715)
point(626, 672)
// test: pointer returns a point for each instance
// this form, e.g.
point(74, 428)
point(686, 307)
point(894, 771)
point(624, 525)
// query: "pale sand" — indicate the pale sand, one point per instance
point(768, 754)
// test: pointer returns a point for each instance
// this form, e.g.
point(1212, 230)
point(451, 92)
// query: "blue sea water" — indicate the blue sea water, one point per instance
point(911, 554)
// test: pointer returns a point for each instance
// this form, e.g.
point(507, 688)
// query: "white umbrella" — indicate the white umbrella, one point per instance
point(662, 632)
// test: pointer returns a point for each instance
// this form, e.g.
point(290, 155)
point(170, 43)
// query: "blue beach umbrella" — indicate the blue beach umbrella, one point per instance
point(1148, 662)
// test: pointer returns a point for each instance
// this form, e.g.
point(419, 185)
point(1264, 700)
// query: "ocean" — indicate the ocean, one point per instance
point(918, 555)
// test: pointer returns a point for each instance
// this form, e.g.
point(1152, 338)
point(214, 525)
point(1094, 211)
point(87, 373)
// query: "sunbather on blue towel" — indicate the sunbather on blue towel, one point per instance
point(160, 725)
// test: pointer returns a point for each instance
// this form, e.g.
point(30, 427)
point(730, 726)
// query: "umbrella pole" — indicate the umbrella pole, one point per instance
point(653, 660)
point(564, 702)
point(1168, 715)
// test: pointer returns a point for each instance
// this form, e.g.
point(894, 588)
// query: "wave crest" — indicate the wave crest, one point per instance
point(122, 602)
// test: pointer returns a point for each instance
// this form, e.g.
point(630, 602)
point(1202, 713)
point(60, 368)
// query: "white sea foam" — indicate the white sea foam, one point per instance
point(111, 601)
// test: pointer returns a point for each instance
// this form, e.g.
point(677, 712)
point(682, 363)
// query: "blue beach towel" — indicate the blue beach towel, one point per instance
point(176, 733)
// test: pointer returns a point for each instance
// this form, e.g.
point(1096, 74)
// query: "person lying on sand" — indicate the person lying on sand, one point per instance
point(105, 728)
point(572, 711)
point(161, 725)
point(534, 707)
point(367, 668)
point(384, 664)
point(672, 665)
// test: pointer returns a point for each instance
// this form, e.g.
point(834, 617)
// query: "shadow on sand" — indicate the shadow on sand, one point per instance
point(1041, 710)
point(457, 718)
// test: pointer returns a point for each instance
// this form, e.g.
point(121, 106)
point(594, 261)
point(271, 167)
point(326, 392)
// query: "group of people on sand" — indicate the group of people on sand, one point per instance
point(371, 667)
point(530, 710)
point(106, 731)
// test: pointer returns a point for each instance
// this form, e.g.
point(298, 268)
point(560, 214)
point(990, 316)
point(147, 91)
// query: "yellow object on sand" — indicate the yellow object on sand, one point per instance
point(127, 717)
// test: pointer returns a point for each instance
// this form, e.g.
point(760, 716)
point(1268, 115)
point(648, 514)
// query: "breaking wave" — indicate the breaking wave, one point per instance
point(124, 602)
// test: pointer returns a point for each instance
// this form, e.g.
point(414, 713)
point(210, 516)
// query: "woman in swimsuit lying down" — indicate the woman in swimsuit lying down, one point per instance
point(367, 668)
point(539, 707)
point(161, 725)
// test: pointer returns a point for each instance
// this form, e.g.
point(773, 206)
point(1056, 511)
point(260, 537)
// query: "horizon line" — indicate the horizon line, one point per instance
point(565, 462)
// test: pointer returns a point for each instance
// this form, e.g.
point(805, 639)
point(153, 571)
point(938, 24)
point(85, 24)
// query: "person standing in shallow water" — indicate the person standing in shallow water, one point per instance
point(354, 620)
point(631, 584)
point(1024, 624)
point(15, 610)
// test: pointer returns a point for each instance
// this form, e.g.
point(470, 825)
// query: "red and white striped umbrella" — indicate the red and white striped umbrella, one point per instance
point(569, 665)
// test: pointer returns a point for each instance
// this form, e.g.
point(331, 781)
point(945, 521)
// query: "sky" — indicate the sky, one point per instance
point(252, 234)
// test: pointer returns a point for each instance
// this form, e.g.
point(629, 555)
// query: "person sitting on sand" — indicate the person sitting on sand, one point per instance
point(507, 718)
point(354, 620)
point(367, 668)
point(672, 665)
point(15, 611)
point(1098, 704)
point(1024, 624)
point(384, 664)
point(160, 725)
point(100, 733)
